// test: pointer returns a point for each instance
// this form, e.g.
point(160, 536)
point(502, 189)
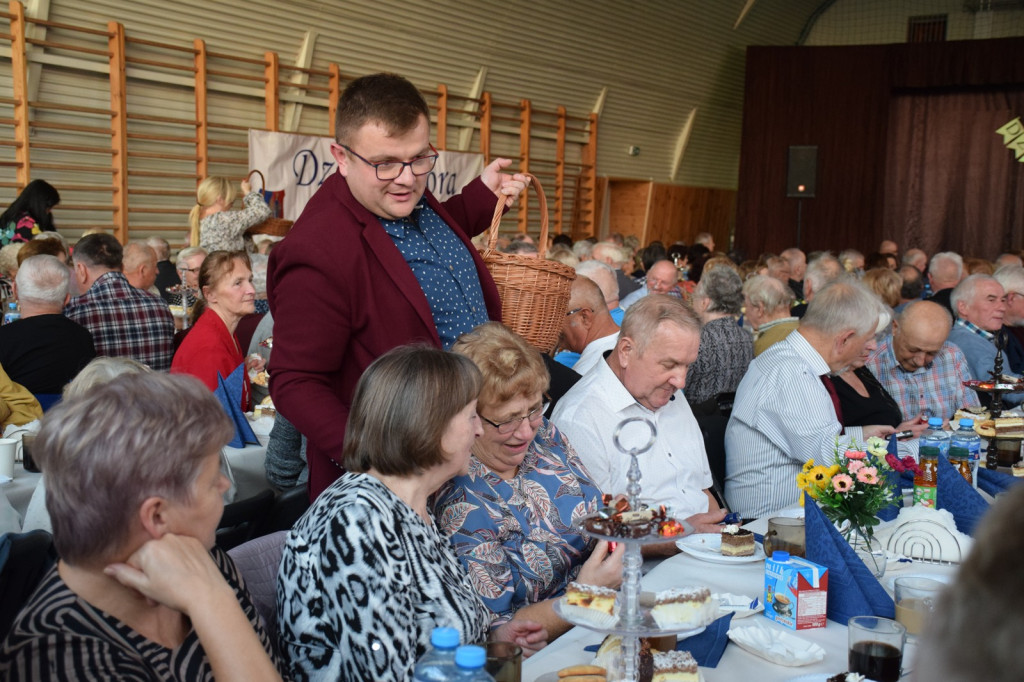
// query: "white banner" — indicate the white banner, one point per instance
point(298, 164)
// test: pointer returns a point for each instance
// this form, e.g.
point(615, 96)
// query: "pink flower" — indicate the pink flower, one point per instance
point(868, 475)
point(894, 462)
point(856, 454)
point(842, 483)
point(855, 466)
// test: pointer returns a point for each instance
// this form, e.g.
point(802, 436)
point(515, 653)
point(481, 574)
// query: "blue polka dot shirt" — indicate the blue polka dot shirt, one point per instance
point(444, 268)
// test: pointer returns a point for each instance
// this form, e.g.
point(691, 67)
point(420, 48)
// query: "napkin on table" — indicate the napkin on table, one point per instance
point(957, 496)
point(706, 648)
point(994, 482)
point(852, 589)
point(229, 393)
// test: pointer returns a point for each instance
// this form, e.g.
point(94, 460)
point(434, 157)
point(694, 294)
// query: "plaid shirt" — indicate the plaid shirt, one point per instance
point(971, 327)
point(125, 322)
point(937, 388)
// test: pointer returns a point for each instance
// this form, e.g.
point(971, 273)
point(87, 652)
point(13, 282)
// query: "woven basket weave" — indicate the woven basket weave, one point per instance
point(534, 291)
point(277, 227)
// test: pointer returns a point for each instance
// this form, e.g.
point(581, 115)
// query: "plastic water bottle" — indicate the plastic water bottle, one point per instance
point(966, 438)
point(935, 437)
point(438, 664)
point(469, 664)
point(11, 314)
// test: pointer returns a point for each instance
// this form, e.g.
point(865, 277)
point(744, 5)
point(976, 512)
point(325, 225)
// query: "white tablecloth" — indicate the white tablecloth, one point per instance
point(736, 664)
point(247, 468)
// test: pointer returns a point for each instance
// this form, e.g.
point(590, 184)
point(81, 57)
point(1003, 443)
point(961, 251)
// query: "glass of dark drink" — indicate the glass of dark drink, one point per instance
point(876, 647)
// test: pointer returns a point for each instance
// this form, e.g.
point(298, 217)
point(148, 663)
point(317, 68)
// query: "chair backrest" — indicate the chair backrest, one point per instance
point(47, 400)
point(241, 519)
point(24, 560)
point(285, 511)
point(257, 561)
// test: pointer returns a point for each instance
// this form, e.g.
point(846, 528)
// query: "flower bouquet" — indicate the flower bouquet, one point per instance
point(855, 486)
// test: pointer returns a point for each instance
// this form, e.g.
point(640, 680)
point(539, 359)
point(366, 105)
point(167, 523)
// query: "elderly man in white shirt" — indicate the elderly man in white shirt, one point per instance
point(589, 328)
point(643, 377)
point(785, 411)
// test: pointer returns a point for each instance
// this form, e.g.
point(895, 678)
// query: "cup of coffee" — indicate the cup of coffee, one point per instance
point(28, 441)
point(504, 661)
point(876, 647)
point(785, 535)
point(915, 601)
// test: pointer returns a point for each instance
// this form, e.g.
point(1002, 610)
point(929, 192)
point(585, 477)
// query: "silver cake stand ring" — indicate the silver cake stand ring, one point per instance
point(635, 451)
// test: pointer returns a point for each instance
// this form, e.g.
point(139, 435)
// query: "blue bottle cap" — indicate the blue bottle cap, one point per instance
point(935, 422)
point(444, 638)
point(470, 656)
point(966, 423)
point(779, 555)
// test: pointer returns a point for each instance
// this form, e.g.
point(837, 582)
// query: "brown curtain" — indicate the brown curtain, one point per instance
point(951, 184)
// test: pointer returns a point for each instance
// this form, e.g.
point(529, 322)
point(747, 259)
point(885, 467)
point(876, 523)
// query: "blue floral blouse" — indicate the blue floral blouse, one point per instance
point(517, 538)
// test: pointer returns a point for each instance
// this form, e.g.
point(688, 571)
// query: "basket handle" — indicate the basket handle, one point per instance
point(542, 248)
point(263, 180)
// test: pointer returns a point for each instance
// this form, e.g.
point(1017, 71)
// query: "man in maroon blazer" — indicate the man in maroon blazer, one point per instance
point(374, 262)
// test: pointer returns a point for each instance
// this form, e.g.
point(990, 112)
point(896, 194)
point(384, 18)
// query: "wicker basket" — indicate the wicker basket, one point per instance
point(277, 227)
point(534, 291)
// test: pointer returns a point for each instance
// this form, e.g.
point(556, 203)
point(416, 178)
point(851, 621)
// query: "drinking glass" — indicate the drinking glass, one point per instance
point(876, 647)
point(504, 661)
point(785, 535)
point(915, 601)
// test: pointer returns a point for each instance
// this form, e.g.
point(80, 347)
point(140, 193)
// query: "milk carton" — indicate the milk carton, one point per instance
point(795, 591)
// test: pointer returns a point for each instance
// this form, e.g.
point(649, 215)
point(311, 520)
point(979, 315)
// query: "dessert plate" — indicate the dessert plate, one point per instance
point(776, 646)
point(646, 628)
point(708, 547)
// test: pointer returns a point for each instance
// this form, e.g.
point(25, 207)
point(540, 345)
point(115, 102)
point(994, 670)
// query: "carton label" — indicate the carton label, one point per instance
point(795, 593)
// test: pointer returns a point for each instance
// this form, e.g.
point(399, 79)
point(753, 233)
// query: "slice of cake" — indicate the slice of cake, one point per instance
point(684, 607)
point(674, 666)
point(609, 657)
point(737, 541)
point(590, 603)
point(1009, 427)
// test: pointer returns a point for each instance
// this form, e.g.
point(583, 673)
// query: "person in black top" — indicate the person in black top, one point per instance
point(166, 273)
point(44, 350)
point(864, 401)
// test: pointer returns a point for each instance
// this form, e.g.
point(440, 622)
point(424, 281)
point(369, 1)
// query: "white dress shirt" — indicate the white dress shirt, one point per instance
point(674, 471)
point(782, 417)
point(594, 352)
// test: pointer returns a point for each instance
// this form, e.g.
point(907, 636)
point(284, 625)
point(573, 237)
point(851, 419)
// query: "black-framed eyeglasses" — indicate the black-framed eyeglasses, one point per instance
point(389, 170)
point(576, 310)
point(188, 269)
point(507, 427)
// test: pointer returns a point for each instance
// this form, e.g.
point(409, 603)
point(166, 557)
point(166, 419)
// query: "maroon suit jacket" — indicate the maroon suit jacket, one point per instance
point(342, 295)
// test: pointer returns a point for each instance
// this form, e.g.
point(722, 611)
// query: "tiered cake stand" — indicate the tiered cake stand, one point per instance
point(635, 620)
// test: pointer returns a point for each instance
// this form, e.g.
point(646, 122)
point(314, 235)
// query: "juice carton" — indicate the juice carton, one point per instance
point(795, 591)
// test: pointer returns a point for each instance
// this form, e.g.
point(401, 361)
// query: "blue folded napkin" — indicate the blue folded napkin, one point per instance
point(957, 496)
point(706, 648)
point(852, 589)
point(229, 393)
point(894, 481)
point(994, 482)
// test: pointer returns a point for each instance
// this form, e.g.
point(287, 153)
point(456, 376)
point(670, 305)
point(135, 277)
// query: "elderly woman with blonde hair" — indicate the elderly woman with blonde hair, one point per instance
point(512, 518)
point(214, 226)
point(140, 591)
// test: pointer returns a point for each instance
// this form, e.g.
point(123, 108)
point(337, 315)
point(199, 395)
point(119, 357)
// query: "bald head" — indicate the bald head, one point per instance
point(588, 317)
point(1008, 260)
point(889, 246)
point(918, 334)
point(797, 262)
point(661, 277)
point(139, 265)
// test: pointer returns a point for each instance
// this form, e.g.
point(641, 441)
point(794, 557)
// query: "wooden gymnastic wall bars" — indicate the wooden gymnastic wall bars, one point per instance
point(125, 127)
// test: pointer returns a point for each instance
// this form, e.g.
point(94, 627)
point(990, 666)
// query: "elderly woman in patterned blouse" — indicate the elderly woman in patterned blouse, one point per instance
point(725, 349)
point(366, 576)
point(512, 517)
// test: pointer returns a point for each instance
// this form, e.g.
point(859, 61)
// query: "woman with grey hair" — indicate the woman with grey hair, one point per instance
point(725, 349)
point(140, 591)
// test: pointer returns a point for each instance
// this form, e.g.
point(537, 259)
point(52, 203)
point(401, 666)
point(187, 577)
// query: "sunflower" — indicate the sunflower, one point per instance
point(808, 465)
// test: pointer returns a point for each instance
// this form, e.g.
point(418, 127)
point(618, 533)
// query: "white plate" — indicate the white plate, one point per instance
point(817, 677)
point(737, 604)
point(708, 547)
point(776, 646)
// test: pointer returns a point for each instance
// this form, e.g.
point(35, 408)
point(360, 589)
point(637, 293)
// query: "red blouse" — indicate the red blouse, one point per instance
point(208, 349)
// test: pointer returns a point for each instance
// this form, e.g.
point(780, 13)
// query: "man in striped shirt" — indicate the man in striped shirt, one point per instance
point(785, 411)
